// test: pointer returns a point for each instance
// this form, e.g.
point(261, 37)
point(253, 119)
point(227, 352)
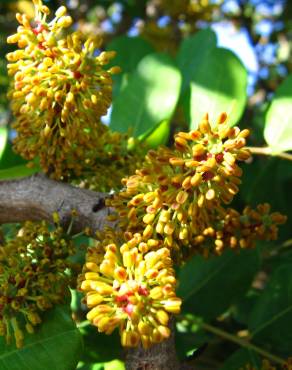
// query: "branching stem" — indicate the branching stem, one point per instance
point(268, 151)
point(241, 342)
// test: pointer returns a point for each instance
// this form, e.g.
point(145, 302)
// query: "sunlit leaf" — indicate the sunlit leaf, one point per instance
point(193, 51)
point(158, 136)
point(3, 139)
point(149, 97)
point(130, 50)
point(278, 127)
point(218, 85)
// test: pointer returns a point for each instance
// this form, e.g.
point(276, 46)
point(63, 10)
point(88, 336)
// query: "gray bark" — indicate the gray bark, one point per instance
point(37, 198)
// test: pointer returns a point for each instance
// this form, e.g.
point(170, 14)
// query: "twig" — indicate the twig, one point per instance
point(241, 342)
point(268, 151)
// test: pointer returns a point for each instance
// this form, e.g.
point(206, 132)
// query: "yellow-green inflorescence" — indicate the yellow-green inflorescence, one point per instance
point(130, 287)
point(34, 276)
point(174, 206)
point(179, 196)
point(237, 230)
point(116, 155)
point(60, 90)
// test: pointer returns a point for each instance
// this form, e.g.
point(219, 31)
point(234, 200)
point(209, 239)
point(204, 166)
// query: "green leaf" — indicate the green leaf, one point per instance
point(3, 139)
point(243, 307)
point(158, 136)
point(271, 319)
point(209, 287)
point(10, 158)
point(114, 365)
point(278, 127)
point(218, 85)
point(149, 97)
point(111, 365)
point(100, 347)
point(56, 344)
point(192, 52)
point(17, 171)
point(130, 50)
point(241, 358)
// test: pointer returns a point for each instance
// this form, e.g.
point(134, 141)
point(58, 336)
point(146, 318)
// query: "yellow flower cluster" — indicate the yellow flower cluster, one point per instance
point(236, 231)
point(59, 92)
point(174, 206)
point(179, 192)
point(132, 288)
point(32, 277)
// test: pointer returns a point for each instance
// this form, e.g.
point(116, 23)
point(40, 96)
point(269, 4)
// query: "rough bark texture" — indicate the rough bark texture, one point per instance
point(161, 356)
point(37, 197)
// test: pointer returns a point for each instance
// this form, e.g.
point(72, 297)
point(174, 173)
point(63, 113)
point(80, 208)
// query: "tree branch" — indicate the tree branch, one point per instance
point(160, 356)
point(37, 198)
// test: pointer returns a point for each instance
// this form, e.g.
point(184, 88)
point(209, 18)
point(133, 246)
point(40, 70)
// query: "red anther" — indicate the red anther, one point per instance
point(41, 46)
point(163, 188)
point(38, 29)
point(201, 157)
point(209, 155)
point(122, 298)
point(208, 175)
point(219, 157)
point(143, 291)
point(77, 75)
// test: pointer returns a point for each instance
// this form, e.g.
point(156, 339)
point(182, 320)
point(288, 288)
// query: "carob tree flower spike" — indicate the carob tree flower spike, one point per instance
point(178, 197)
point(59, 92)
point(131, 291)
point(32, 277)
point(178, 192)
